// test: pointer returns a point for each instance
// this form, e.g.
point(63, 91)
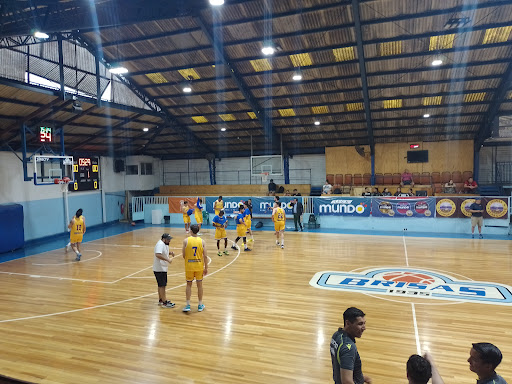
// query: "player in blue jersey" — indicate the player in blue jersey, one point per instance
point(220, 222)
point(241, 229)
point(248, 219)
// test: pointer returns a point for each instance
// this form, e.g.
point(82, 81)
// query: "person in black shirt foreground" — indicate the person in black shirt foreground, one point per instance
point(346, 363)
point(476, 210)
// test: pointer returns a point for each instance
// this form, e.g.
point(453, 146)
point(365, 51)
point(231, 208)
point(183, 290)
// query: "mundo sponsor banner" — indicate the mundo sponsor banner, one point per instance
point(417, 283)
point(231, 203)
point(458, 207)
point(264, 205)
point(342, 206)
point(403, 206)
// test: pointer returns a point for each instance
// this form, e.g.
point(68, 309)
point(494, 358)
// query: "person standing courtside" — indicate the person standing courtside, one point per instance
point(346, 363)
point(483, 360)
point(196, 266)
point(77, 230)
point(160, 264)
point(279, 219)
point(477, 210)
point(218, 205)
point(298, 210)
point(220, 223)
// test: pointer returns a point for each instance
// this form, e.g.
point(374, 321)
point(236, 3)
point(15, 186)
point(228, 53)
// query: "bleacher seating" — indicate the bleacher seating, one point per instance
point(457, 177)
point(338, 179)
point(379, 179)
point(397, 178)
point(358, 191)
point(357, 179)
point(330, 178)
point(436, 177)
point(367, 178)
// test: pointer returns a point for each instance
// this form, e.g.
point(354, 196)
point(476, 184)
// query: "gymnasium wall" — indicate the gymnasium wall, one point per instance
point(44, 206)
point(489, 156)
point(450, 156)
point(304, 169)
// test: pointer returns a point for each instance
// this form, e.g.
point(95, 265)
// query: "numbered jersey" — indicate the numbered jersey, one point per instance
point(279, 215)
point(194, 254)
point(77, 228)
point(218, 206)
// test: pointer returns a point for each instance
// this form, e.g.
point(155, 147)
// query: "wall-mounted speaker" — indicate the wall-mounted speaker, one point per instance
point(119, 165)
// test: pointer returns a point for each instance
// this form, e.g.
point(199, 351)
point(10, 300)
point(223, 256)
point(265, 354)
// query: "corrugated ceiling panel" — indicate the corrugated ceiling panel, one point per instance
point(441, 42)
point(344, 54)
point(390, 48)
point(474, 97)
point(261, 65)
point(287, 112)
point(301, 60)
point(199, 119)
point(388, 104)
point(189, 74)
point(228, 117)
point(320, 109)
point(497, 35)
point(432, 100)
point(157, 78)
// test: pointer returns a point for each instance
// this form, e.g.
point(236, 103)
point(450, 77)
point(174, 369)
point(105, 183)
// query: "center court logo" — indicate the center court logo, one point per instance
point(409, 282)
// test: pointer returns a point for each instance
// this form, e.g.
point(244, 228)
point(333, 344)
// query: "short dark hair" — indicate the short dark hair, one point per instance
point(79, 212)
point(220, 197)
point(185, 202)
point(419, 370)
point(166, 236)
point(194, 228)
point(351, 314)
point(489, 353)
point(241, 208)
point(221, 213)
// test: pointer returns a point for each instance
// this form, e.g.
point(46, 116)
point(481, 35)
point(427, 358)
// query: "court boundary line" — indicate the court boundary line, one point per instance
point(73, 261)
point(413, 308)
point(116, 302)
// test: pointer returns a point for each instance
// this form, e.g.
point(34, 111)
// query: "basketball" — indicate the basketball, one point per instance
point(409, 277)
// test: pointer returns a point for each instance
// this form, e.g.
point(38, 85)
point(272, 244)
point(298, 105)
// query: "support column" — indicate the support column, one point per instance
point(61, 68)
point(476, 161)
point(372, 157)
point(211, 166)
point(286, 167)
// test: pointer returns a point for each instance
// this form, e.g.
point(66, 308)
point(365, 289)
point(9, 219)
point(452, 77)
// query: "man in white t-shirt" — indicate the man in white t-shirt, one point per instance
point(327, 188)
point(160, 264)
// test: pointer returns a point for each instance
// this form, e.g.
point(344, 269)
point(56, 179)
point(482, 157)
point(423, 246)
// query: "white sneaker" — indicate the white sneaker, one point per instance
point(282, 246)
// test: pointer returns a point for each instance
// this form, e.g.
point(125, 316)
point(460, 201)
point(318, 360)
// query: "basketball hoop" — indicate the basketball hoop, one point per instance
point(264, 177)
point(64, 182)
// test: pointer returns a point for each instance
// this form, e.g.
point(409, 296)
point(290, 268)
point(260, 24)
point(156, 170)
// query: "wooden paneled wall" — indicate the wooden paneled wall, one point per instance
point(443, 156)
point(341, 160)
point(227, 190)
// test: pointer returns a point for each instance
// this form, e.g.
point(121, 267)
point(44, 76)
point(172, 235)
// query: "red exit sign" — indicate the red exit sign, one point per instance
point(414, 146)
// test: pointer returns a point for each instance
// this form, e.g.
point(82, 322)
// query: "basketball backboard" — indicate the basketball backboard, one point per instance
point(47, 168)
point(273, 165)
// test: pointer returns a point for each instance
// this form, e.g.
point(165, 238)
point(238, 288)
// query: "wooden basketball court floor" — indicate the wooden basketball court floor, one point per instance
point(98, 320)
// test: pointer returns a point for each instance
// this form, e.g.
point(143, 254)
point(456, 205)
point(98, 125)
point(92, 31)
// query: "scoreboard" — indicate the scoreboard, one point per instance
point(86, 172)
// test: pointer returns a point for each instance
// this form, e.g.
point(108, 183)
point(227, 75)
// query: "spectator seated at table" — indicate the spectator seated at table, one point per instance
point(272, 187)
point(296, 193)
point(398, 192)
point(287, 193)
point(386, 192)
point(449, 187)
point(376, 192)
point(327, 188)
point(407, 179)
point(410, 193)
point(367, 192)
point(470, 186)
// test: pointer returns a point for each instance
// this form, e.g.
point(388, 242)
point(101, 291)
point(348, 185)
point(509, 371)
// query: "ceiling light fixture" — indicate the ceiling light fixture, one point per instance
point(317, 122)
point(118, 70)
point(145, 129)
point(187, 89)
point(268, 50)
point(223, 129)
point(216, 2)
point(437, 62)
point(426, 115)
point(297, 76)
point(41, 35)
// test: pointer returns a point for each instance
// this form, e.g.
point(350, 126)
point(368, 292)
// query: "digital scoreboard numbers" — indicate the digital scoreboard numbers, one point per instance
point(45, 135)
point(87, 176)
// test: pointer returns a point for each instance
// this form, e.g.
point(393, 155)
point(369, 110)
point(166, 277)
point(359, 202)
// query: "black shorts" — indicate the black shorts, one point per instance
point(161, 278)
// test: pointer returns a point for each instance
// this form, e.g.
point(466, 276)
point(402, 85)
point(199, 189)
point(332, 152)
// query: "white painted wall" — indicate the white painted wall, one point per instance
point(142, 182)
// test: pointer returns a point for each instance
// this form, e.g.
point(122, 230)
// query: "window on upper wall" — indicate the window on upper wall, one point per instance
point(146, 168)
point(132, 169)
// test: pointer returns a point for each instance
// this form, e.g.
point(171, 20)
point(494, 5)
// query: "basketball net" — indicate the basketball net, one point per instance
point(63, 185)
point(264, 177)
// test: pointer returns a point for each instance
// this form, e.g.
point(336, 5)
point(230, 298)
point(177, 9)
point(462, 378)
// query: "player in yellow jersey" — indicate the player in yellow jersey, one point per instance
point(218, 205)
point(196, 265)
point(241, 230)
point(198, 212)
point(279, 219)
point(248, 219)
point(77, 227)
point(185, 209)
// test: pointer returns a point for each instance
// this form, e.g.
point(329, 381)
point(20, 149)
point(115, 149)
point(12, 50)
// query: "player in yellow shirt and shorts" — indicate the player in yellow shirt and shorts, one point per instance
point(218, 206)
point(77, 230)
point(196, 265)
point(185, 209)
point(279, 219)
point(241, 229)
point(220, 222)
point(198, 212)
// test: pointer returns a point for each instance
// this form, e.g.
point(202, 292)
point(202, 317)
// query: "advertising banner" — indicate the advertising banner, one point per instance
point(344, 206)
point(231, 203)
point(458, 207)
point(264, 205)
point(403, 206)
point(175, 203)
